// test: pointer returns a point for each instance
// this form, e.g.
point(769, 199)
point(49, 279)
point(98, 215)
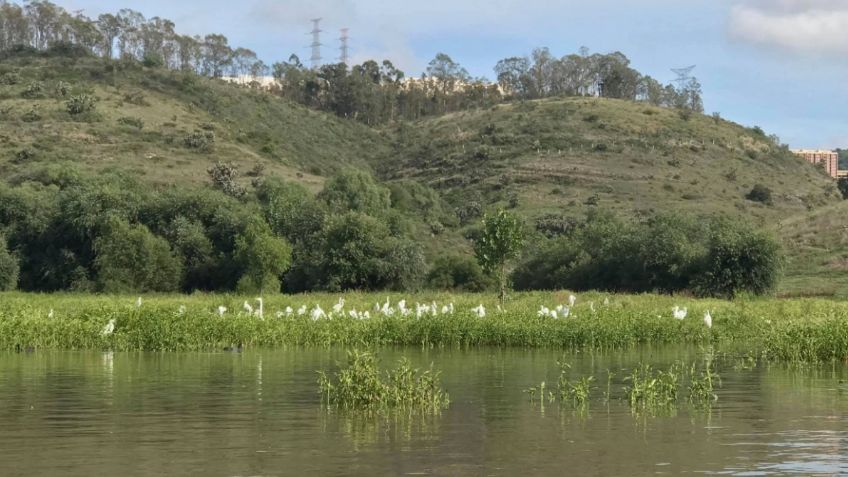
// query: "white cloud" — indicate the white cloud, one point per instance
point(804, 26)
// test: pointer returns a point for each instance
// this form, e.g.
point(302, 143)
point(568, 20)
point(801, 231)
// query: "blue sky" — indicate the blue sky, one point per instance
point(778, 64)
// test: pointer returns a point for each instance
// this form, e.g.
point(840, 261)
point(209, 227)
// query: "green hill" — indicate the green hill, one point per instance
point(145, 119)
point(817, 246)
point(563, 156)
point(548, 159)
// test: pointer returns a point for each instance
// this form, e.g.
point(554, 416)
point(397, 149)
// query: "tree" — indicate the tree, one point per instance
point(131, 259)
point(110, 27)
point(356, 190)
point(842, 184)
point(263, 258)
point(461, 273)
point(500, 242)
point(216, 55)
point(739, 259)
point(446, 72)
point(9, 268)
point(514, 76)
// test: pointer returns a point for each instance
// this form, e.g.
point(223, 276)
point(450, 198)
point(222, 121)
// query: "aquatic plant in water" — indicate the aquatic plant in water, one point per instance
point(361, 386)
point(652, 390)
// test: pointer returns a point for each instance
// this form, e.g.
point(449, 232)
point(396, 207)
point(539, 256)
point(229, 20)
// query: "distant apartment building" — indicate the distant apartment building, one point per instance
point(264, 82)
point(829, 160)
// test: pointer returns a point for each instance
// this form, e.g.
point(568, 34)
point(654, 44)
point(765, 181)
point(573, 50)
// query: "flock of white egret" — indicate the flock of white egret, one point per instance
point(400, 309)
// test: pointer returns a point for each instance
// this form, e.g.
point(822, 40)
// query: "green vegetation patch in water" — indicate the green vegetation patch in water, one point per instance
point(361, 386)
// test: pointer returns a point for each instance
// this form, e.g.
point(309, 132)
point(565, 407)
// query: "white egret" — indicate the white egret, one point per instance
point(302, 310)
point(109, 328)
point(138, 302)
point(338, 307)
point(708, 319)
point(50, 315)
point(221, 310)
point(260, 312)
point(480, 311)
point(679, 313)
point(247, 308)
point(572, 300)
point(317, 313)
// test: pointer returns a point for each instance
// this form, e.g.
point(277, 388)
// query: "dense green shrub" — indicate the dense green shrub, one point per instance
point(203, 141)
point(291, 210)
point(131, 259)
point(759, 193)
point(81, 104)
point(665, 253)
point(263, 257)
point(458, 272)
point(34, 90)
point(355, 190)
point(739, 259)
point(10, 78)
point(224, 177)
point(842, 185)
point(357, 251)
point(132, 121)
point(9, 267)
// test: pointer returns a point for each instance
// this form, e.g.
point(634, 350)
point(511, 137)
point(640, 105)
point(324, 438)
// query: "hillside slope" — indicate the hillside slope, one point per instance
point(817, 247)
point(555, 157)
point(254, 130)
point(564, 155)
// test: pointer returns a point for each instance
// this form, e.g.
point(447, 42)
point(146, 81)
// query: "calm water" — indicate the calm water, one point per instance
point(257, 413)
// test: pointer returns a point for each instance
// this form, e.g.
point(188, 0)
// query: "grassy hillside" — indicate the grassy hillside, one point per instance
point(254, 130)
point(565, 155)
point(817, 246)
point(555, 157)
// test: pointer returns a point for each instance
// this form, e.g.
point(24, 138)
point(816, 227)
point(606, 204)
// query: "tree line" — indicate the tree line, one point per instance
point(62, 229)
point(372, 92)
point(127, 34)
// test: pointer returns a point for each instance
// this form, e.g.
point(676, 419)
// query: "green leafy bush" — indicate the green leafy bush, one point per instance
point(458, 272)
point(739, 259)
point(9, 268)
point(263, 257)
point(665, 253)
point(34, 90)
point(224, 177)
point(355, 190)
point(129, 258)
point(200, 140)
point(10, 78)
point(759, 193)
point(81, 104)
point(132, 121)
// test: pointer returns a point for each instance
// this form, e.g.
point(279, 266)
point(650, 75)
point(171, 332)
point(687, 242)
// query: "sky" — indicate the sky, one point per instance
point(777, 64)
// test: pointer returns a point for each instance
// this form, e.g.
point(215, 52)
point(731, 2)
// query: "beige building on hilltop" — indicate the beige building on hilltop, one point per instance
point(829, 160)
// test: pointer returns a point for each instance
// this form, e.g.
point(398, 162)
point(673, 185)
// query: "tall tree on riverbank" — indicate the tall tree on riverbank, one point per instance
point(499, 244)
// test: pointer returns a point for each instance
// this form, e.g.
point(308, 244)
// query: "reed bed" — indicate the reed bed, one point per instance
point(804, 330)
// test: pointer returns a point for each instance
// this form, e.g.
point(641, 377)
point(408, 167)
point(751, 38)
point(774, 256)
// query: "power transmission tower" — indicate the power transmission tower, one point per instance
point(345, 48)
point(316, 43)
point(684, 75)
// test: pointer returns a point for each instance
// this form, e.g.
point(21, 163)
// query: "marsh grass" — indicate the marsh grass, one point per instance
point(800, 331)
point(361, 386)
point(653, 390)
